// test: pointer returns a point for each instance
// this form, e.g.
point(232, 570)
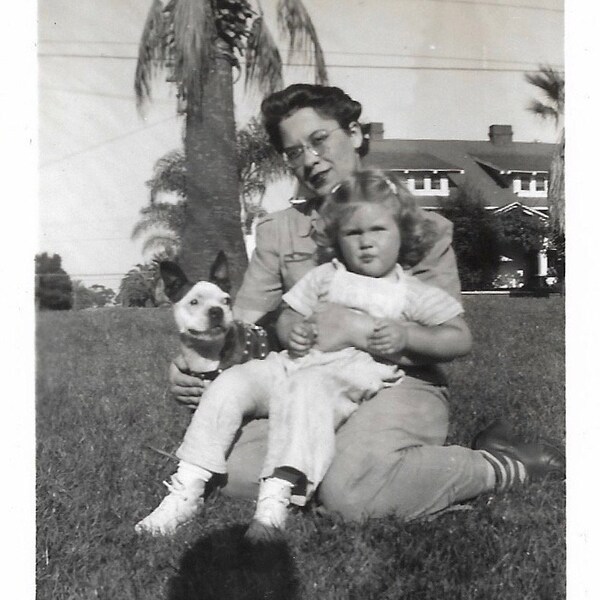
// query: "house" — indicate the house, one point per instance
point(508, 176)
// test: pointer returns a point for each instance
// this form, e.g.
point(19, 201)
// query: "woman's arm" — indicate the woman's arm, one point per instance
point(439, 343)
point(340, 327)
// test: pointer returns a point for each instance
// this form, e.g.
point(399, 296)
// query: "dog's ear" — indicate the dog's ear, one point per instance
point(176, 283)
point(219, 272)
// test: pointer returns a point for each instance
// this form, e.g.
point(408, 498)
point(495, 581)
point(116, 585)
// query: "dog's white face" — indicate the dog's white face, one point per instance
point(204, 312)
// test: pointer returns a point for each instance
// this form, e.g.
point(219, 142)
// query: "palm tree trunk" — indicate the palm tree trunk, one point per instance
point(213, 219)
point(556, 191)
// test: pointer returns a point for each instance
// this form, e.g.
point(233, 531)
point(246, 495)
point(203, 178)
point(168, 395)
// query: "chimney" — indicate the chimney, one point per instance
point(501, 135)
point(375, 131)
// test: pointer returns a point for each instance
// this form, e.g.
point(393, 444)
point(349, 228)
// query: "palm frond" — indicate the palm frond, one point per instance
point(163, 215)
point(256, 154)
point(193, 31)
point(295, 22)
point(552, 84)
point(166, 242)
point(151, 52)
point(543, 110)
point(263, 61)
point(169, 175)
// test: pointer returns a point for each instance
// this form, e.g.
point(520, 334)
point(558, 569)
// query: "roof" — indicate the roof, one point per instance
point(407, 160)
point(467, 162)
point(516, 162)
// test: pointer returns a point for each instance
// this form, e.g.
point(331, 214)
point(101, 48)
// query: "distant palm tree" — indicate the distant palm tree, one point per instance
point(162, 223)
point(258, 165)
point(552, 84)
point(198, 43)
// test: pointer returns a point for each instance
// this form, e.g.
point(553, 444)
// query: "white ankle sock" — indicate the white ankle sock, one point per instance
point(190, 474)
point(273, 499)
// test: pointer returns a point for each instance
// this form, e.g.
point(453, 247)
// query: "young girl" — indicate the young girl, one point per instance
point(371, 227)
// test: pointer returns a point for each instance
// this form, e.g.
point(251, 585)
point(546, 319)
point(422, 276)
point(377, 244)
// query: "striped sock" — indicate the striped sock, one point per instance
point(509, 471)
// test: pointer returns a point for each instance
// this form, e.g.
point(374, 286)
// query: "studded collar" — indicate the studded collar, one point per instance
point(243, 342)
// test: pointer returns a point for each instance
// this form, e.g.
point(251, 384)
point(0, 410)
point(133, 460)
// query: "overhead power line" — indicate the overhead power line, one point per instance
point(339, 66)
point(109, 141)
point(500, 5)
point(103, 275)
point(335, 52)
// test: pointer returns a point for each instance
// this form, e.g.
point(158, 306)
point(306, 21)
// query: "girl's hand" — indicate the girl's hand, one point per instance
point(341, 327)
point(388, 337)
point(302, 339)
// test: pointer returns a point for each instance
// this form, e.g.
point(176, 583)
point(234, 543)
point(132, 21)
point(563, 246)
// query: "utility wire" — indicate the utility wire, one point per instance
point(332, 66)
point(381, 54)
point(106, 142)
point(99, 94)
point(80, 274)
point(500, 5)
point(87, 239)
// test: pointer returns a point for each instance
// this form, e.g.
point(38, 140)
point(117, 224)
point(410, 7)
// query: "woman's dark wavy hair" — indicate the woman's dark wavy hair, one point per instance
point(417, 233)
point(330, 102)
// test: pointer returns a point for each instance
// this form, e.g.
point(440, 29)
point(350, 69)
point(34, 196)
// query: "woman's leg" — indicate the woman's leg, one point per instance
point(390, 459)
point(240, 392)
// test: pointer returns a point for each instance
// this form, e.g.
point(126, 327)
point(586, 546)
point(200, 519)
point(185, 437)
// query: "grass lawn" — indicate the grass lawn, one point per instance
point(102, 400)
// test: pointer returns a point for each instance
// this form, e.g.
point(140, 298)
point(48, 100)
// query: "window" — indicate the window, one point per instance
point(419, 182)
point(426, 183)
point(531, 186)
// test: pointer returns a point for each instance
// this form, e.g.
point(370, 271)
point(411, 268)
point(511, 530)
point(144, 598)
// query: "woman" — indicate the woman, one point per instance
point(389, 454)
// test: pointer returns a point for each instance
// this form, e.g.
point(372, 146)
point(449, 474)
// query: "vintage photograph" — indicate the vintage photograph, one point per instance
point(300, 300)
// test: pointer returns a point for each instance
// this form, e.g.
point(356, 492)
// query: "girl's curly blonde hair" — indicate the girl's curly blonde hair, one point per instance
point(417, 233)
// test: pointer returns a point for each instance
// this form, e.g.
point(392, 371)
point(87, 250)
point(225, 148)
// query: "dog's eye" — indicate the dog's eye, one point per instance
point(194, 302)
point(227, 301)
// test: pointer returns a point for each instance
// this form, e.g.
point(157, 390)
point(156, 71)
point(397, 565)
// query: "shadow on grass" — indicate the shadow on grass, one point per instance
point(223, 566)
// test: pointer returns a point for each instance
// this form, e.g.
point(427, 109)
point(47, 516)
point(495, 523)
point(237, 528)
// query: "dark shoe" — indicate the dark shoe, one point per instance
point(541, 460)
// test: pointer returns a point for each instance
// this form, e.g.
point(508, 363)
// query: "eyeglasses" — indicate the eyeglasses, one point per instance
point(317, 144)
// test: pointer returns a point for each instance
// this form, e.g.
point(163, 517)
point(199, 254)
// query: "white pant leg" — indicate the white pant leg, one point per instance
point(306, 409)
point(240, 392)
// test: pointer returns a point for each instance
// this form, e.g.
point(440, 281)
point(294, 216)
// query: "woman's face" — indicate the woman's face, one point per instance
point(369, 240)
point(337, 157)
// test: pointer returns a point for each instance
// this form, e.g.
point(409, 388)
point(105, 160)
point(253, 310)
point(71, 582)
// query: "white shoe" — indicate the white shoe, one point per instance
point(177, 508)
point(271, 510)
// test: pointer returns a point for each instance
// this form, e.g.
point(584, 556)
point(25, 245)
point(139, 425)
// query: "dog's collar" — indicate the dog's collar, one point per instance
point(243, 343)
point(205, 376)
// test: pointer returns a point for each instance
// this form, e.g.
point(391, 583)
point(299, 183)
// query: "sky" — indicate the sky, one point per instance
point(439, 69)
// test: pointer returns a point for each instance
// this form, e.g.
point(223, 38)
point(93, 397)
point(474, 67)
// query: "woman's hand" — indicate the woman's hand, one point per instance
point(301, 339)
point(187, 389)
point(388, 338)
point(341, 327)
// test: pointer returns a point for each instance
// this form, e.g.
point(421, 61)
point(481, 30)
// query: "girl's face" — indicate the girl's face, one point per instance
point(369, 240)
point(331, 153)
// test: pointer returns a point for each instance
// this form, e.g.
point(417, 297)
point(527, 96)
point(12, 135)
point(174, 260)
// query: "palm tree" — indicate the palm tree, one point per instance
point(258, 165)
point(552, 84)
point(162, 223)
point(198, 43)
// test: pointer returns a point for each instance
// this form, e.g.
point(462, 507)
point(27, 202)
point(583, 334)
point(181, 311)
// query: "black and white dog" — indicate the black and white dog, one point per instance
point(211, 339)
